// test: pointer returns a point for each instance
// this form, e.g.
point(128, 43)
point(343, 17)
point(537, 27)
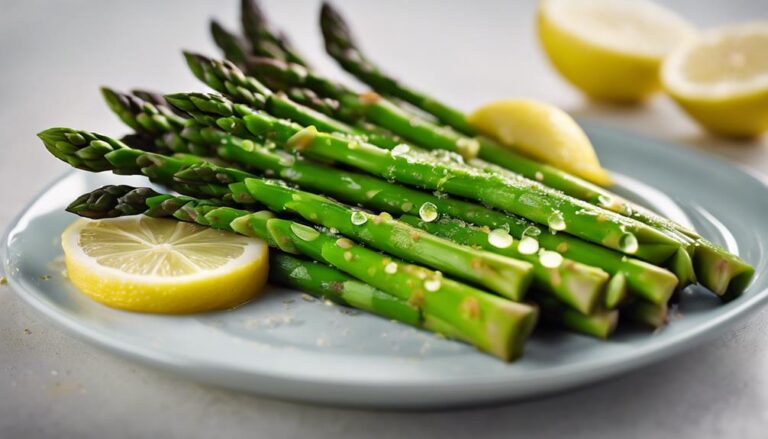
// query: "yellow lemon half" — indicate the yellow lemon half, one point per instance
point(721, 79)
point(163, 266)
point(610, 49)
point(543, 132)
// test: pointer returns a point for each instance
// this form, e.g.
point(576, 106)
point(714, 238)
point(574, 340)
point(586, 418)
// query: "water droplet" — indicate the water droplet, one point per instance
point(344, 243)
point(467, 147)
point(304, 233)
point(400, 150)
point(348, 256)
point(605, 200)
point(539, 176)
point(391, 268)
point(556, 221)
point(351, 184)
point(407, 206)
point(500, 238)
point(433, 284)
point(550, 259)
point(528, 245)
point(353, 145)
point(358, 218)
point(372, 193)
point(428, 212)
point(287, 159)
point(532, 231)
point(628, 243)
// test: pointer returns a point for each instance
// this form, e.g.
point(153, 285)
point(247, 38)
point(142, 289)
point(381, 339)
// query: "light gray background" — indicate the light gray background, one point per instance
point(54, 55)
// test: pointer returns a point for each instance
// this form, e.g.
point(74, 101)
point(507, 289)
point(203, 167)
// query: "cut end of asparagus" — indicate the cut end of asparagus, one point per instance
point(646, 313)
point(616, 291)
point(111, 202)
point(681, 264)
point(725, 274)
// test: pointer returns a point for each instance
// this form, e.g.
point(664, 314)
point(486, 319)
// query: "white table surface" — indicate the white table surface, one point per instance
point(54, 55)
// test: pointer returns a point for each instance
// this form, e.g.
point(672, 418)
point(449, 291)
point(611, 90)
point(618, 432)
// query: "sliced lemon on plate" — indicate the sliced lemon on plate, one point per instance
point(543, 132)
point(610, 49)
point(721, 79)
point(163, 266)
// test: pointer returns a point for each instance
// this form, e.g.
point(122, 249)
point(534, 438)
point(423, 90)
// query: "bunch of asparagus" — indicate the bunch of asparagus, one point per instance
point(387, 200)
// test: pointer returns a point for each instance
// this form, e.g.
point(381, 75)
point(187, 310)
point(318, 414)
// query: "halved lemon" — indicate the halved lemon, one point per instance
point(543, 132)
point(721, 79)
point(163, 266)
point(610, 49)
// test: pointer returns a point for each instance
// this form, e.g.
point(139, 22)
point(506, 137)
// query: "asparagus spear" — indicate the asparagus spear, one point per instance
point(504, 275)
point(492, 324)
point(264, 39)
point(97, 153)
point(235, 48)
point(532, 201)
point(341, 46)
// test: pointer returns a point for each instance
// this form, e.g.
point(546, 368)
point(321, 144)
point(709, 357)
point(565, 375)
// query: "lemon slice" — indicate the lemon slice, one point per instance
point(610, 49)
point(163, 266)
point(543, 132)
point(721, 79)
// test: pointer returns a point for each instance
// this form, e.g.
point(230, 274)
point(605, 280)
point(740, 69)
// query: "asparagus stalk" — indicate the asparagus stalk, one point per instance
point(532, 201)
point(492, 324)
point(341, 46)
point(504, 275)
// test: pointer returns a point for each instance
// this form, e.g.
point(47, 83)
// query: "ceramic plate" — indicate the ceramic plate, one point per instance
point(290, 346)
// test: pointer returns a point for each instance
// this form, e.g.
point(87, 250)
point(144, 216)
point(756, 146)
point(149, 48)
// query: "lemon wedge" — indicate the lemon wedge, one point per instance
point(610, 49)
point(163, 266)
point(721, 79)
point(543, 132)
